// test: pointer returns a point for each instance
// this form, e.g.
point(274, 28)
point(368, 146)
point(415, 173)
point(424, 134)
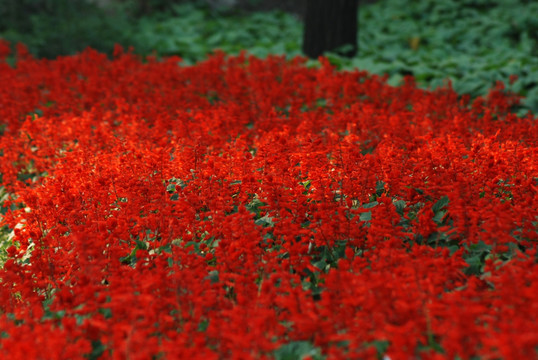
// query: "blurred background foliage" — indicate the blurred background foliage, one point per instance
point(472, 43)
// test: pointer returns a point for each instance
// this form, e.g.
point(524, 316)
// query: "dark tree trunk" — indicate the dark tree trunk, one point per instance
point(330, 25)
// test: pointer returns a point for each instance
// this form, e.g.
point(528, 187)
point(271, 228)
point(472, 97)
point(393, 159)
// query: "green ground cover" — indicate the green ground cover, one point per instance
point(472, 43)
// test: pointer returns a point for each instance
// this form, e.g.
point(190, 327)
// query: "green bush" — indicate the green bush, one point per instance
point(473, 43)
point(193, 31)
point(61, 27)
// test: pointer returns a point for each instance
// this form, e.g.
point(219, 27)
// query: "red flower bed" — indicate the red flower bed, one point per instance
point(245, 208)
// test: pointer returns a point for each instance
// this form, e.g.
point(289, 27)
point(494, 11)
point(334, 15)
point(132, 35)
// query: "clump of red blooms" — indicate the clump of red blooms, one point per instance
point(223, 210)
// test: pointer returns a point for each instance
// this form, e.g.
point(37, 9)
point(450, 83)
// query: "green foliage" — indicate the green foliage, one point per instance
point(471, 44)
point(192, 32)
point(5, 242)
point(5, 231)
point(98, 349)
point(62, 27)
point(381, 347)
point(475, 257)
point(298, 350)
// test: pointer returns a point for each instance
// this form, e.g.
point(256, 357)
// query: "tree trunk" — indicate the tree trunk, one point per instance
point(330, 26)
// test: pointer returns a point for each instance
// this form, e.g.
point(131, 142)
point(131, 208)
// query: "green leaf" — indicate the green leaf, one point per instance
point(438, 217)
point(479, 247)
point(453, 249)
point(441, 203)
point(475, 256)
point(255, 205)
point(370, 205)
point(380, 345)
point(297, 350)
point(213, 276)
point(98, 348)
point(265, 221)
point(106, 312)
point(202, 326)
point(379, 188)
point(171, 187)
point(400, 206)
point(475, 265)
point(141, 245)
point(366, 216)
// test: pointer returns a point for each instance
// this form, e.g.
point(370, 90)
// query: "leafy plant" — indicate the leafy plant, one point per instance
point(298, 350)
